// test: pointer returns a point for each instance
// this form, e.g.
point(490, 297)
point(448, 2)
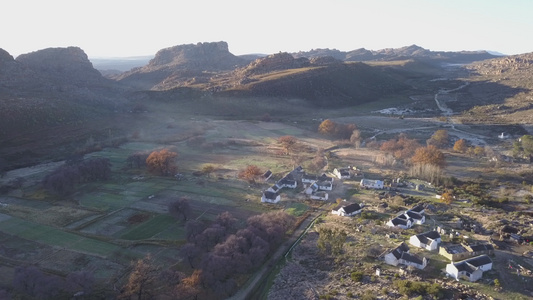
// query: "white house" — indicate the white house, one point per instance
point(348, 210)
point(325, 177)
point(409, 259)
point(419, 208)
point(307, 178)
point(428, 240)
point(417, 218)
point(319, 196)
point(393, 257)
point(400, 222)
point(342, 173)
point(286, 182)
point(325, 185)
point(372, 184)
point(270, 197)
point(471, 269)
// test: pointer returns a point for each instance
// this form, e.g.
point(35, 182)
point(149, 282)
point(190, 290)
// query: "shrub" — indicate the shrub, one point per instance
point(357, 276)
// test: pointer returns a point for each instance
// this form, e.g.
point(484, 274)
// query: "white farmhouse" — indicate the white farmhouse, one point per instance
point(371, 184)
point(348, 210)
point(428, 240)
point(471, 269)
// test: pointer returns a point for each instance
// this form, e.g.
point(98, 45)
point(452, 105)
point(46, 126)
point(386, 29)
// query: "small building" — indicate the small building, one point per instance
point(471, 269)
point(347, 210)
point(308, 178)
point(287, 182)
point(371, 184)
point(325, 177)
point(342, 173)
point(412, 260)
point(323, 196)
point(394, 256)
point(417, 218)
point(400, 222)
point(325, 185)
point(428, 240)
point(419, 208)
point(457, 252)
point(270, 197)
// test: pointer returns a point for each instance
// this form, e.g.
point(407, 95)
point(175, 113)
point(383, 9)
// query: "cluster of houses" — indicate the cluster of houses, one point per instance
point(410, 217)
point(468, 261)
point(314, 186)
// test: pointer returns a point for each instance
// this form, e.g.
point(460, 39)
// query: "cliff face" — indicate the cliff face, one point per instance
point(62, 66)
point(182, 62)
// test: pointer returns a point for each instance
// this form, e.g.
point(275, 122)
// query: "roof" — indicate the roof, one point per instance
point(370, 181)
point(431, 235)
point(479, 261)
point(397, 252)
point(325, 177)
point(414, 215)
point(270, 195)
point(418, 208)
point(398, 221)
point(309, 177)
point(352, 207)
point(481, 247)
point(267, 174)
point(454, 248)
point(412, 258)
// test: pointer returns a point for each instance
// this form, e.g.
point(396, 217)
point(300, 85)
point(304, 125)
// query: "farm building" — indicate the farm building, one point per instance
point(428, 240)
point(471, 269)
point(371, 184)
point(456, 252)
point(270, 197)
point(417, 218)
point(393, 257)
point(319, 196)
point(412, 260)
point(347, 210)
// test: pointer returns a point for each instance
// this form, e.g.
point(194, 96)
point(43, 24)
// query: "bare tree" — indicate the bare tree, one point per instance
point(180, 209)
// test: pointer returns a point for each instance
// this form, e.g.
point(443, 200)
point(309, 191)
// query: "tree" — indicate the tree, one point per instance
point(327, 127)
point(250, 173)
point(288, 142)
point(180, 209)
point(189, 287)
point(142, 280)
point(162, 162)
point(447, 197)
point(208, 169)
point(460, 146)
point(479, 151)
point(137, 160)
point(331, 240)
point(355, 138)
point(429, 155)
point(439, 139)
point(526, 142)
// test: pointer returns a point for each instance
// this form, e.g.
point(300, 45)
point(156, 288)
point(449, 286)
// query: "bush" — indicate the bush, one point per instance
point(357, 276)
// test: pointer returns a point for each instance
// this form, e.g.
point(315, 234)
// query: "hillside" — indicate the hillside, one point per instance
point(500, 90)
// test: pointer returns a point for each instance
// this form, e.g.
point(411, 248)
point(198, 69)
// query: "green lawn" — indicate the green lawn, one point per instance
point(150, 228)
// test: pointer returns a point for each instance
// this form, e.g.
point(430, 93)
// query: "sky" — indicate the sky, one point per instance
point(126, 28)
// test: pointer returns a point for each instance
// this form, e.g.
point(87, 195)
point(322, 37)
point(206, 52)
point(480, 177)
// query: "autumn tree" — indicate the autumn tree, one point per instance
point(401, 148)
point(180, 209)
point(250, 173)
point(288, 142)
point(447, 197)
point(162, 162)
point(142, 280)
point(208, 169)
point(189, 287)
point(429, 155)
point(460, 146)
point(439, 139)
point(327, 127)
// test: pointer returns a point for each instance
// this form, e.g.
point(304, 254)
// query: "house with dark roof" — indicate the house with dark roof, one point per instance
point(320, 195)
point(311, 189)
point(428, 240)
point(287, 181)
point(371, 184)
point(308, 178)
point(417, 218)
point(419, 208)
point(347, 210)
point(412, 260)
point(325, 177)
point(270, 197)
point(472, 269)
point(401, 222)
point(325, 185)
point(394, 256)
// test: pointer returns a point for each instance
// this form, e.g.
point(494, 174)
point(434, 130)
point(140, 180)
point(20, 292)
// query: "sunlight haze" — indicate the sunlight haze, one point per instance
point(134, 28)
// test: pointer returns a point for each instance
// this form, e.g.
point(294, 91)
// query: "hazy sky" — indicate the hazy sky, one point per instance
point(120, 28)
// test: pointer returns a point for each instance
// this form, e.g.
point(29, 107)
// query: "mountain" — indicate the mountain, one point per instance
point(182, 61)
point(403, 53)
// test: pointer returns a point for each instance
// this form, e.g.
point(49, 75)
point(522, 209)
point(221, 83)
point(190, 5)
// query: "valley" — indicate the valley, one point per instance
point(205, 231)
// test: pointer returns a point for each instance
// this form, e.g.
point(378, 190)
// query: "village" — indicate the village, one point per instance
point(467, 248)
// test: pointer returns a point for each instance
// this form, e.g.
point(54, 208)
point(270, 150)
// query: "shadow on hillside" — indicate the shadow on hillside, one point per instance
point(484, 93)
